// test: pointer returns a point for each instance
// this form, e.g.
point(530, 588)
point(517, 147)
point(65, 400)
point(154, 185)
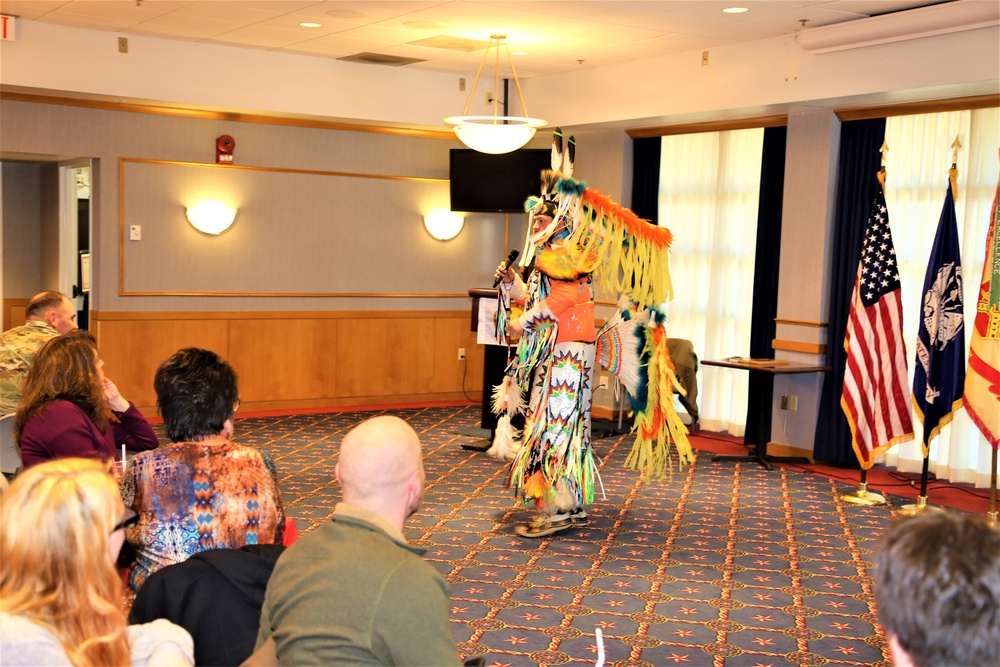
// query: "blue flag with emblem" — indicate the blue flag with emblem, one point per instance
point(939, 376)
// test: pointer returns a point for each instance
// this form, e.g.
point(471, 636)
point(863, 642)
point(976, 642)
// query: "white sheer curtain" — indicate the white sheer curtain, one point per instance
point(917, 164)
point(708, 196)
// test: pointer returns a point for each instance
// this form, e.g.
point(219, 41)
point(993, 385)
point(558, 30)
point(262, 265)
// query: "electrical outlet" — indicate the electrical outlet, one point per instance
point(489, 98)
point(793, 403)
point(461, 353)
point(602, 383)
point(461, 84)
point(135, 233)
point(123, 45)
point(784, 401)
point(704, 58)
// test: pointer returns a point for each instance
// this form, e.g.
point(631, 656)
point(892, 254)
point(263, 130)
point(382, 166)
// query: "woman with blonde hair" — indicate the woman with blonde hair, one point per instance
point(69, 409)
point(62, 524)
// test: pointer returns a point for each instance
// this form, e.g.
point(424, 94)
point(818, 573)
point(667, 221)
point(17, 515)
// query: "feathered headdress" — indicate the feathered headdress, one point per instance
point(626, 254)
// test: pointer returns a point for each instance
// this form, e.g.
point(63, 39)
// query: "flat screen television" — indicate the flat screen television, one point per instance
point(487, 183)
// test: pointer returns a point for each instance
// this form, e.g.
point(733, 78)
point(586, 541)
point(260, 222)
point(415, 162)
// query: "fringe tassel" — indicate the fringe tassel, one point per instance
point(506, 442)
point(500, 392)
point(657, 425)
point(514, 398)
point(632, 254)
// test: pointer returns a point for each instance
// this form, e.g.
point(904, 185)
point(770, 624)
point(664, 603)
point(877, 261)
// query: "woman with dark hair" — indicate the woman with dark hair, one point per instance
point(203, 491)
point(69, 409)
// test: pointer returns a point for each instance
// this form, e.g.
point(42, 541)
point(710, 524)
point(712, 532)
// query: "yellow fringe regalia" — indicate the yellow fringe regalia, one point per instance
point(628, 256)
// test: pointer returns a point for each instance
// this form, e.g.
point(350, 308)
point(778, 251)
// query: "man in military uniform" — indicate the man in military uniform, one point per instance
point(49, 314)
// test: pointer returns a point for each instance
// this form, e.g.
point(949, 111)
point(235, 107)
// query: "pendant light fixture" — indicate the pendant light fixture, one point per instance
point(496, 133)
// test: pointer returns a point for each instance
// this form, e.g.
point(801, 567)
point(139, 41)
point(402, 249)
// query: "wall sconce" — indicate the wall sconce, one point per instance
point(211, 217)
point(443, 225)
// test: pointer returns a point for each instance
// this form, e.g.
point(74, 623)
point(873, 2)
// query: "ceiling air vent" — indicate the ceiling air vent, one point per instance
point(380, 59)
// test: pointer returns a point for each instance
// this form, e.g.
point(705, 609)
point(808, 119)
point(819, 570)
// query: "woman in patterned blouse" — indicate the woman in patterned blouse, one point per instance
point(203, 491)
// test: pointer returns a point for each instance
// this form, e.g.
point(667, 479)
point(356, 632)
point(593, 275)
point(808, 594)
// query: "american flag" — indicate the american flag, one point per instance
point(876, 398)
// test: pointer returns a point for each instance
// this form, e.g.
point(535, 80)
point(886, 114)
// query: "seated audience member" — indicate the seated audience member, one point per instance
point(938, 590)
point(215, 595)
point(69, 409)
point(49, 314)
point(61, 527)
point(352, 592)
point(203, 491)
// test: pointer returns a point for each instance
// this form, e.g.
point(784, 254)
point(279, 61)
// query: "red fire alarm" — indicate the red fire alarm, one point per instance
point(224, 147)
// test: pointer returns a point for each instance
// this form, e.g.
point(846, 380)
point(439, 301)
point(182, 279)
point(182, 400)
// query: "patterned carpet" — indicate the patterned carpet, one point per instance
point(724, 564)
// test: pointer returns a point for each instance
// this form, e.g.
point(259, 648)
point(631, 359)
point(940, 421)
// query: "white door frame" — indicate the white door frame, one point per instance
point(69, 255)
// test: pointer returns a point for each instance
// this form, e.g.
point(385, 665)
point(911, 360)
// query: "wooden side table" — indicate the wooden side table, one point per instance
point(757, 442)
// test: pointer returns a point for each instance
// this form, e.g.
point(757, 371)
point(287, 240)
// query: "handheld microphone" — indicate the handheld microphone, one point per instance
point(510, 260)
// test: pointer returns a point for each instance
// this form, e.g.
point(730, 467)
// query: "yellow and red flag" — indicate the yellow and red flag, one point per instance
point(982, 379)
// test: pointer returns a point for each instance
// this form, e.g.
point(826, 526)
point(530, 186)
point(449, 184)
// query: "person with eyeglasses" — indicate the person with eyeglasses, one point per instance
point(62, 524)
point(203, 491)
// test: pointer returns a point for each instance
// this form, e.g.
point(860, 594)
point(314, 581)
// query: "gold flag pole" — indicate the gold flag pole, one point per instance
point(992, 514)
point(953, 172)
point(921, 504)
point(861, 495)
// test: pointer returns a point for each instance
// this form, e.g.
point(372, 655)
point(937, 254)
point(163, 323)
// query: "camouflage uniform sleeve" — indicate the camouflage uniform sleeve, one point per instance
point(17, 351)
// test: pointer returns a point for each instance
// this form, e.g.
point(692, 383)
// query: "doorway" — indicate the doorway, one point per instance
point(74, 235)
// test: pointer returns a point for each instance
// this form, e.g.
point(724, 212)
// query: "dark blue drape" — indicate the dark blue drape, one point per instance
point(765, 272)
point(646, 178)
point(859, 162)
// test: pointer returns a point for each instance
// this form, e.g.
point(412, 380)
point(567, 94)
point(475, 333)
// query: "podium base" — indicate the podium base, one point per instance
point(477, 445)
point(483, 441)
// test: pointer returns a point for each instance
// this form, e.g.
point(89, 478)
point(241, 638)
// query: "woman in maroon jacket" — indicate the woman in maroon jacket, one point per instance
point(69, 409)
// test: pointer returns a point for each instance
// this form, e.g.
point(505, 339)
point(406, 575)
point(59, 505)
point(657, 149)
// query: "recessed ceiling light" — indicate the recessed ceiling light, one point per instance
point(735, 10)
point(310, 24)
point(522, 53)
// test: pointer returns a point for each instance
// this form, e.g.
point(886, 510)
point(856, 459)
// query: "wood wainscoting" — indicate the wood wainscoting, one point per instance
point(308, 359)
point(14, 312)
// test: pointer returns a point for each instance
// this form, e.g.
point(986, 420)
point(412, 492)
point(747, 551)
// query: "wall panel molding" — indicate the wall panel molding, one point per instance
point(801, 323)
point(798, 346)
point(283, 213)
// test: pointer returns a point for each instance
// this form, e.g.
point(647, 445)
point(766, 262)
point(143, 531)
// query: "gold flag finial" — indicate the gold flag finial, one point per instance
point(881, 172)
point(953, 172)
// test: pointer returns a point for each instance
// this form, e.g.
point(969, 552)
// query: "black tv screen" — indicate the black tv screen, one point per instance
point(488, 183)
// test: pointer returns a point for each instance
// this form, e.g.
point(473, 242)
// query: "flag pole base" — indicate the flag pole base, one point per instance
point(862, 496)
point(920, 506)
